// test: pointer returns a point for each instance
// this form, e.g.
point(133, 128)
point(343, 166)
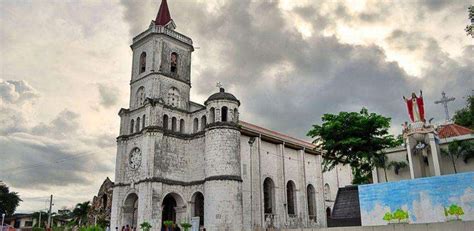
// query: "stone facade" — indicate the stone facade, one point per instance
point(177, 159)
point(101, 204)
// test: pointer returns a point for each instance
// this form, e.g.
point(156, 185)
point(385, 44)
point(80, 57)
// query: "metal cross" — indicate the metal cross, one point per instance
point(219, 85)
point(444, 100)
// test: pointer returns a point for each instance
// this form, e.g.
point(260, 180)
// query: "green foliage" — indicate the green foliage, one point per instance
point(91, 228)
point(388, 216)
point(8, 200)
point(470, 28)
point(37, 229)
point(445, 212)
point(79, 214)
point(400, 214)
point(355, 139)
point(186, 226)
point(465, 116)
point(145, 226)
point(168, 223)
point(455, 210)
point(457, 149)
point(397, 166)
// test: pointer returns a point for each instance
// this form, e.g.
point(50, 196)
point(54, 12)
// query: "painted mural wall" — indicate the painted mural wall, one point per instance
point(423, 200)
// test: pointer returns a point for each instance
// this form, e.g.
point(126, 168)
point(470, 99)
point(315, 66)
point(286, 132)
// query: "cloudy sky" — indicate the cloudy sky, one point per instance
point(65, 71)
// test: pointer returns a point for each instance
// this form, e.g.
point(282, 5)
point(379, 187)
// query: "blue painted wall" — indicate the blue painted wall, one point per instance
point(424, 199)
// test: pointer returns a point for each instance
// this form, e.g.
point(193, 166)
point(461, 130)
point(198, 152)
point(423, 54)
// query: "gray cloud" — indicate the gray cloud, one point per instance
point(109, 96)
point(12, 91)
point(286, 82)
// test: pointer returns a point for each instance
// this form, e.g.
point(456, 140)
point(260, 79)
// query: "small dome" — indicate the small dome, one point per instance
point(222, 95)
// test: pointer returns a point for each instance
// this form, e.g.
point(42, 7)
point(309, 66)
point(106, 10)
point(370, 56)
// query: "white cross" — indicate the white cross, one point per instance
point(444, 100)
point(219, 85)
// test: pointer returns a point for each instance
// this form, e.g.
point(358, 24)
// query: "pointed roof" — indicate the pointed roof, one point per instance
point(452, 130)
point(163, 17)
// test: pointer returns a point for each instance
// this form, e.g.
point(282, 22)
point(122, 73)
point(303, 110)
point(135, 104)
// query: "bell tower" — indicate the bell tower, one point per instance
point(161, 65)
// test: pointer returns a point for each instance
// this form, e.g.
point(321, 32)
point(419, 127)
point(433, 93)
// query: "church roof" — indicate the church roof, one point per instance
point(276, 136)
point(163, 17)
point(452, 130)
point(222, 95)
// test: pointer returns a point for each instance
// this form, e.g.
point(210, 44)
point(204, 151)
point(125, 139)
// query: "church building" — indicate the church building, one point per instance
point(183, 161)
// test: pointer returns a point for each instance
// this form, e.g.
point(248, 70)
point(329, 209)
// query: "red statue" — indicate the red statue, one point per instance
point(416, 108)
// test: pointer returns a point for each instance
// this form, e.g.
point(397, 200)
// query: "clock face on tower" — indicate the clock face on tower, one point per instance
point(135, 159)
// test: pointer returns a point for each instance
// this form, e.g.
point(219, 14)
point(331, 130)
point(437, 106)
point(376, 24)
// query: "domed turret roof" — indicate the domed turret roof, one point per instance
point(222, 95)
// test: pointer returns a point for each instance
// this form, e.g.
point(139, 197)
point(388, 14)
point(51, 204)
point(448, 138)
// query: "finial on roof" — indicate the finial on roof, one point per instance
point(163, 18)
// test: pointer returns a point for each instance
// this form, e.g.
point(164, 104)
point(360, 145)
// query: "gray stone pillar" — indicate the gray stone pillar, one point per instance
point(415, 168)
point(434, 147)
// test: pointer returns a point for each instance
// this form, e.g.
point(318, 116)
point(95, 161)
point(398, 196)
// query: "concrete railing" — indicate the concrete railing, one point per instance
point(445, 226)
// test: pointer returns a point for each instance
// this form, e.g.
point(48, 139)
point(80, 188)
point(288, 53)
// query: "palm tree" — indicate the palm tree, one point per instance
point(381, 162)
point(80, 212)
point(8, 200)
point(457, 149)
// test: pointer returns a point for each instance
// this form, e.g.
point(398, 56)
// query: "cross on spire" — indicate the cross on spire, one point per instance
point(219, 85)
point(444, 100)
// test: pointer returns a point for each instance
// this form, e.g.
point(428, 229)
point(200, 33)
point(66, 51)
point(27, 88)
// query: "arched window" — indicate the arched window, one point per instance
point(165, 122)
point(311, 194)
point(142, 62)
point(328, 212)
point(327, 192)
point(203, 122)
point(268, 196)
point(181, 126)
point(212, 115)
point(224, 114)
point(140, 96)
point(236, 115)
point(291, 198)
point(138, 124)
point(173, 97)
point(174, 62)
point(143, 122)
point(173, 124)
point(104, 201)
point(195, 125)
point(132, 126)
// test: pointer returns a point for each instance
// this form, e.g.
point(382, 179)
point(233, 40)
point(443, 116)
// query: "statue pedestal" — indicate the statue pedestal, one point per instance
point(423, 150)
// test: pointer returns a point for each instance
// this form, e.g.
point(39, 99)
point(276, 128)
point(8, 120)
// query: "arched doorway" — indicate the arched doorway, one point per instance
point(130, 208)
point(198, 207)
point(311, 195)
point(174, 208)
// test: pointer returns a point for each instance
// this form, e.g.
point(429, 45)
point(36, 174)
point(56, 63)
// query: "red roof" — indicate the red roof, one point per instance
point(164, 16)
point(452, 130)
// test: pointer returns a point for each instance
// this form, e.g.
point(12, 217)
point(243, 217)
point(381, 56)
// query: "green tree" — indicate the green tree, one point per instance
point(79, 214)
point(470, 28)
point(457, 149)
point(8, 200)
point(388, 216)
point(354, 139)
point(465, 116)
point(145, 226)
point(455, 210)
point(400, 214)
point(397, 165)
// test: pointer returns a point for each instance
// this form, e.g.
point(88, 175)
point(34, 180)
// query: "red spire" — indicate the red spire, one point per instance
point(164, 16)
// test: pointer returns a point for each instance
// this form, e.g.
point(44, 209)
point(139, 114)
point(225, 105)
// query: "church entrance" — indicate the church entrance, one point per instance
point(198, 207)
point(174, 208)
point(130, 208)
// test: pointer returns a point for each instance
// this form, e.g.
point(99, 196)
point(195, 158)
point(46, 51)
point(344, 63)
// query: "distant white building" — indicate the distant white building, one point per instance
point(178, 159)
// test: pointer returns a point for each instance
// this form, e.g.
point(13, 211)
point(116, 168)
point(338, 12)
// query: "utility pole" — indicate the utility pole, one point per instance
point(49, 211)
